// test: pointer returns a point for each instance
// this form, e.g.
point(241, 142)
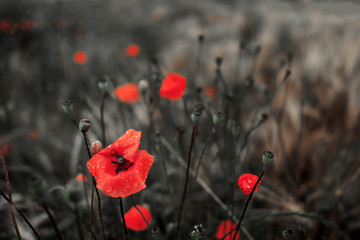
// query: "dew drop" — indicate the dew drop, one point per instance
point(136, 184)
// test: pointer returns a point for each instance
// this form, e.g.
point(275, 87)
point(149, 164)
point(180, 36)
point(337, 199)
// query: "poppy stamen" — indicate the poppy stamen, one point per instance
point(122, 164)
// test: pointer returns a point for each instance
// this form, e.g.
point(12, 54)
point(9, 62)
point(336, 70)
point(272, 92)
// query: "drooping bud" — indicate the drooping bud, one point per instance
point(268, 158)
point(217, 117)
point(198, 110)
point(143, 86)
point(103, 85)
point(84, 125)
point(95, 147)
point(67, 106)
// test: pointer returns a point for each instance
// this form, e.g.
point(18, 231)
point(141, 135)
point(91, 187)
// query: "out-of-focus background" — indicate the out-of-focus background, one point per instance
point(312, 126)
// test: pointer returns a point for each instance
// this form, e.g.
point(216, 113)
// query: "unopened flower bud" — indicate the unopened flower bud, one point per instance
point(95, 147)
point(217, 117)
point(230, 124)
point(84, 125)
point(268, 158)
point(103, 85)
point(263, 117)
point(67, 106)
point(198, 110)
point(235, 131)
point(143, 86)
point(36, 186)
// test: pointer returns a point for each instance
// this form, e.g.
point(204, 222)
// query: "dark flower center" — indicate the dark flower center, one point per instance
point(122, 164)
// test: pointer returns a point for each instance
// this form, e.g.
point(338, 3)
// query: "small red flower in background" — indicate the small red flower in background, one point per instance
point(135, 221)
point(246, 183)
point(32, 135)
point(173, 86)
point(210, 91)
point(128, 93)
point(120, 169)
point(132, 50)
point(225, 227)
point(25, 25)
point(80, 57)
point(80, 177)
point(5, 26)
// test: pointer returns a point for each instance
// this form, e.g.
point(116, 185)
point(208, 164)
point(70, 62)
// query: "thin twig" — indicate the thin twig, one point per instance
point(11, 203)
point(103, 138)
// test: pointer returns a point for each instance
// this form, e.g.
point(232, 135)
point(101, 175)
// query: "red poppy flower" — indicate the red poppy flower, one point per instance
point(4, 26)
point(210, 91)
point(120, 169)
point(128, 93)
point(135, 221)
point(25, 25)
point(132, 50)
point(246, 183)
point(173, 86)
point(225, 227)
point(80, 57)
point(80, 177)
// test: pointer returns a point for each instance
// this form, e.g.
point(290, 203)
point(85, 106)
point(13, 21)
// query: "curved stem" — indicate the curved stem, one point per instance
point(52, 220)
point(9, 194)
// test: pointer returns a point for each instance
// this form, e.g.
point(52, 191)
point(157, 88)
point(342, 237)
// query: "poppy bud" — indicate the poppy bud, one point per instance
point(218, 61)
point(230, 124)
point(143, 86)
point(36, 186)
point(67, 106)
point(268, 158)
point(103, 85)
point(235, 131)
point(155, 230)
point(201, 39)
point(249, 81)
point(57, 197)
point(74, 189)
point(263, 117)
point(288, 233)
point(217, 117)
point(84, 125)
point(95, 147)
point(198, 110)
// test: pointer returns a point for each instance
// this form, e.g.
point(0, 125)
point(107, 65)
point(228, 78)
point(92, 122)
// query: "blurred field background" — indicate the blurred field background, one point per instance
point(313, 122)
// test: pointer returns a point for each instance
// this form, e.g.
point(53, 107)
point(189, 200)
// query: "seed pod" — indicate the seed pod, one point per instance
point(268, 158)
point(67, 106)
point(84, 125)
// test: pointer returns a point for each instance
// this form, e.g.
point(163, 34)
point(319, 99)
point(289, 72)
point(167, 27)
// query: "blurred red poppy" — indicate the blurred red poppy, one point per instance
point(5, 26)
point(135, 221)
point(225, 227)
point(246, 183)
point(80, 57)
point(25, 25)
point(80, 177)
point(128, 93)
point(210, 91)
point(173, 86)
point(132, 50)
point(120, 169)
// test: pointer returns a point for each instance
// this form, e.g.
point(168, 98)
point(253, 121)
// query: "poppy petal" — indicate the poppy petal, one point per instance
point(135, 221)
point(173, 86)
point(225, 227)
point(246, 183)
point(128, 93)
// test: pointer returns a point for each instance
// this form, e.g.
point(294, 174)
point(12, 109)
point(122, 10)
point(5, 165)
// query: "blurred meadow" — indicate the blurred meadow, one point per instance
point(285, 76)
